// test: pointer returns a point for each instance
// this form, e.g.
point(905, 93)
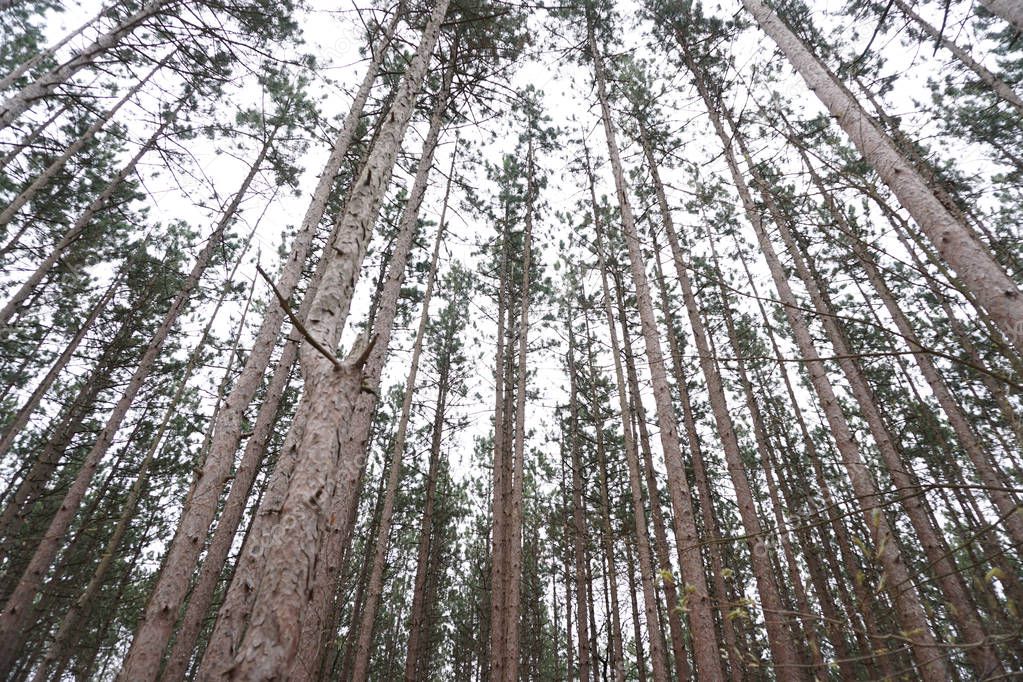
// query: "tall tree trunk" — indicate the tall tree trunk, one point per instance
point(955, 242)
point(615, 630)
point(21, 417)
point(290, 550)
point(997, 487)
point(1000, 87)
point(513, 576)
point(579, 534)
point(707, 657)
point(336, 536)
point(980, 651)
point(1006, 9)
point(779, 636)
point(157, 622)
point(383, 534)
point(16, 104)
point(911, 613)
point(648, 575)
point(18, 611)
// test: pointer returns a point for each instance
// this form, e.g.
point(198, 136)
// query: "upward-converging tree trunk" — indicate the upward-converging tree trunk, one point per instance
point(18, 610)
point(157, 624)
point(779, 636)
point(707, 658)
point(647, 573)
point(972, 261)
point(910, 610)
point(1000, 87)
point(289, 550)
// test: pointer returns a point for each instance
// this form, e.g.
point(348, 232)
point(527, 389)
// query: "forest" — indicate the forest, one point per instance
point(511, 340)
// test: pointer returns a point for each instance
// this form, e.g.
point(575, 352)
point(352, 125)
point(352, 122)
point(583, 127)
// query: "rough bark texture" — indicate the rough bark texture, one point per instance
point(290, 550)
point(157, 623)
point(955, 242)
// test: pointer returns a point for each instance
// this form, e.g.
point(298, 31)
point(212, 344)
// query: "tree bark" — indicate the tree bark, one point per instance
point(157, 623)
point(707, 657)
point(973, 263)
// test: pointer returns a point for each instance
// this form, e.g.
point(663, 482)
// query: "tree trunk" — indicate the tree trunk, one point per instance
point(980, 652)
point(912, 616)
point(648, 576)
point(79, 608)
point(956, 244)
point(21, 417)
point(47, 176)
point(1000, 87)
point(290, 549)
point(578, 511)
point(615, 634)
point(157, 622)
point(18, 611)
point(16, 104)
point(779, 636)
point(383, 534)
point(707, 657)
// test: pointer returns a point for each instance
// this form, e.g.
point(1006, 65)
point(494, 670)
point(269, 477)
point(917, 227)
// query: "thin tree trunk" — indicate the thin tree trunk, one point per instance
point(780, 640)
point(382, 539)
point(912, 616)
point(1000, 87)
point(18, 611)
point(647, 573)
point(578, 510)
point(20, 420)
point(979, 649)
point(955, 242)
point(615, 634)
point(995, 482)
point(47, 176)
point(42, 87)
point(73, 618)
point(514, 559)
point(707, 657)
point(30, 139)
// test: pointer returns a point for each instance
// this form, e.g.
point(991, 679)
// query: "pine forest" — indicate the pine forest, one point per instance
point(511, 340)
